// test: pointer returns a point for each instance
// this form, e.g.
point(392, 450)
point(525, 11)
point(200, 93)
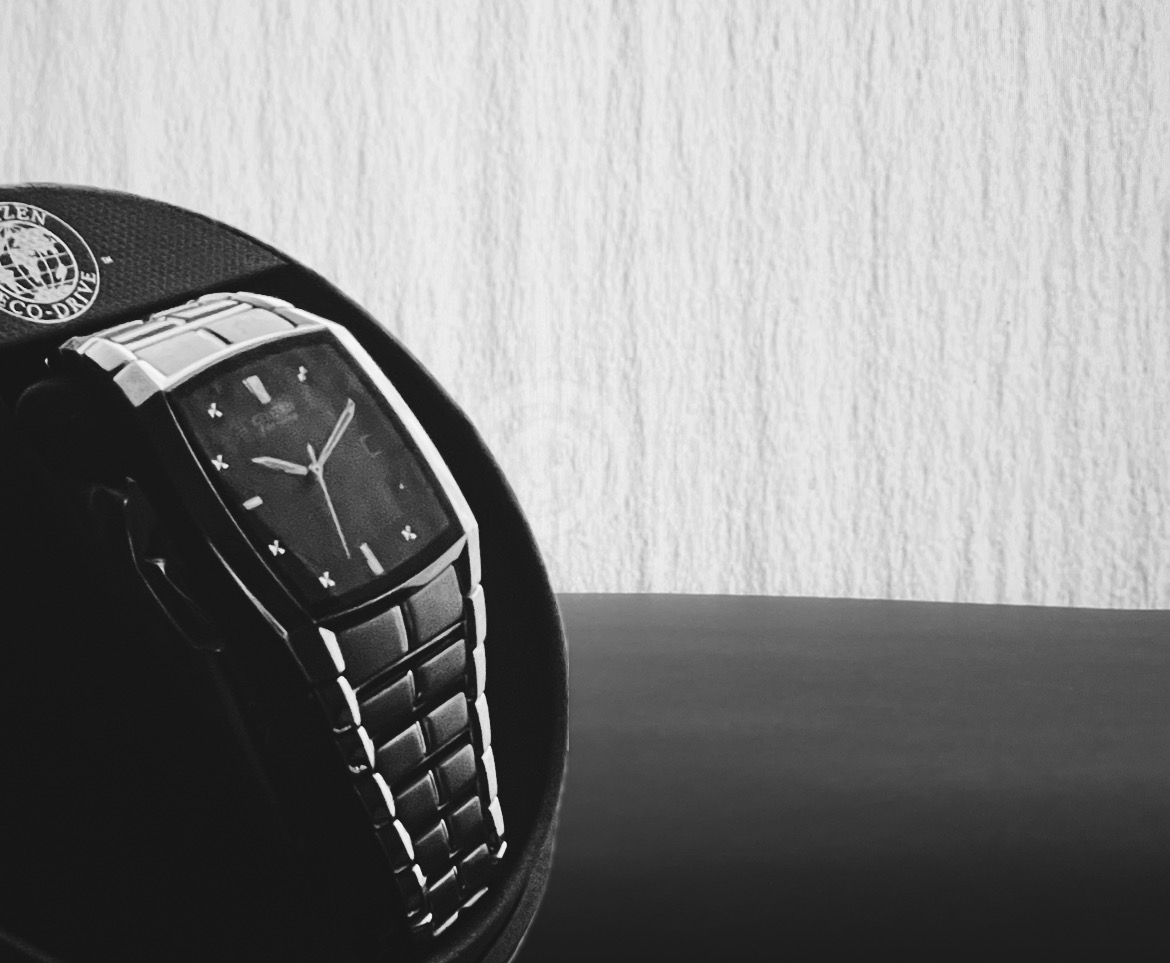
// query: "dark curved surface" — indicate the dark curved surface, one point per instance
point(132, 826)
point(831, 779)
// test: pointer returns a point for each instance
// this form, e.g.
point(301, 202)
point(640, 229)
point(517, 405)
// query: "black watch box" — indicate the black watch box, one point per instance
point(133, 825)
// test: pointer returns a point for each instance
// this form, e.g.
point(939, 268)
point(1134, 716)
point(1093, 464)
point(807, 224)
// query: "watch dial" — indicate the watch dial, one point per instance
point(317, 471)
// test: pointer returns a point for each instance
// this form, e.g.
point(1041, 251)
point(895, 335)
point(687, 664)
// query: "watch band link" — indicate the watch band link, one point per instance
point(410, 713)
point(404, 690)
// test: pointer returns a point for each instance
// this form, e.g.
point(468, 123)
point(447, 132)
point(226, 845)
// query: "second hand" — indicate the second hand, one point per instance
point(319, 472)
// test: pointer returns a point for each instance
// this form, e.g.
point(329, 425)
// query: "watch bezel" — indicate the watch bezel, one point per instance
point(152, 398)
point(433, 549)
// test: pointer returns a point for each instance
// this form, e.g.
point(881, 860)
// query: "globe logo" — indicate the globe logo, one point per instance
point(35, 264)
point(47, 272)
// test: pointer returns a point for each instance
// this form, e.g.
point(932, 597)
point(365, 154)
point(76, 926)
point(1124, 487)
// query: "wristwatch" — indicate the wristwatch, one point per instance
point(325, 504)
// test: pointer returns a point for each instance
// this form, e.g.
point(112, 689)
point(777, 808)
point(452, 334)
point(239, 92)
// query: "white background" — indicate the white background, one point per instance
point(860, 299)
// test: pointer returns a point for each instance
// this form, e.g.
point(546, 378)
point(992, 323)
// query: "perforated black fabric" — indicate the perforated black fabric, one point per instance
point(158, 254)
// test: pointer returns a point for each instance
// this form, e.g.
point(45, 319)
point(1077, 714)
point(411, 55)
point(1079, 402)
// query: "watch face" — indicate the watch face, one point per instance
point(317, 471)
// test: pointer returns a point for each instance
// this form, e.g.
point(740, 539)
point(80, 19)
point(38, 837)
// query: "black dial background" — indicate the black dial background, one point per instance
point(378, 484)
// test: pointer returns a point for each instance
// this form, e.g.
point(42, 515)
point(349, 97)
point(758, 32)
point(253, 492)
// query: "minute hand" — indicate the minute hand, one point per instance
point(338, 431)
point(279, 464)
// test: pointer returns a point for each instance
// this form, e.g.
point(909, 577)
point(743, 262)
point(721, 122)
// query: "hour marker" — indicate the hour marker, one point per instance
point(366, 445)
point(401, 487)
point(325, 580)
point(256, 386)
point(302, 373)
point(408, 535)
point(254, 502)
point(214, 411)
point(371, 559)
point(219, 462)
point(276, 548)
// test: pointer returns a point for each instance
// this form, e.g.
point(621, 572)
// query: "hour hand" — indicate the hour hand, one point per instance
point(279, 464)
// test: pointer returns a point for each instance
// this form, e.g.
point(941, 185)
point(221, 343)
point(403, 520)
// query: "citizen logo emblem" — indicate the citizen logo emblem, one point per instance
point(277, 414)
point(48, 274)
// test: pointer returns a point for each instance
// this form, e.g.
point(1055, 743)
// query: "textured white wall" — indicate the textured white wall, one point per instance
point(863, 299)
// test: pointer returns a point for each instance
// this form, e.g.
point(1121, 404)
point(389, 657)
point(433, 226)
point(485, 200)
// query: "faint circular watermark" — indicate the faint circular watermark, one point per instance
point(556, 449)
